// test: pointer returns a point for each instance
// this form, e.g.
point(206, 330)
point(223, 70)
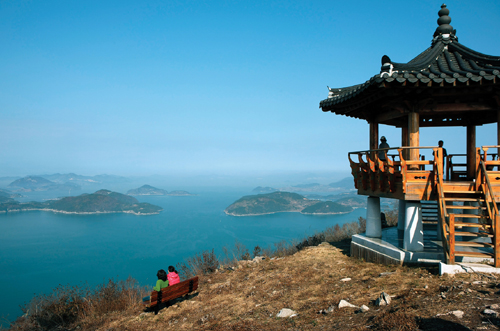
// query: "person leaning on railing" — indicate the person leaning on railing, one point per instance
point(383, 144)
point(445, 154)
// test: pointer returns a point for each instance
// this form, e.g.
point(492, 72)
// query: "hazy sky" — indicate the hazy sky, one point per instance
point(161, 87)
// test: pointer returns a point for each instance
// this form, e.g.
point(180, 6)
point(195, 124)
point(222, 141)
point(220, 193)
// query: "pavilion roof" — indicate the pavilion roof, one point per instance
point(445, 83)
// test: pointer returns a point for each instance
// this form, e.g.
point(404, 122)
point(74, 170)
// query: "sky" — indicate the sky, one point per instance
point(206, 87)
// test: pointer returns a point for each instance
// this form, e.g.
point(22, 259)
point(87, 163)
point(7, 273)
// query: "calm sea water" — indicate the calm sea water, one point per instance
point(40, 250)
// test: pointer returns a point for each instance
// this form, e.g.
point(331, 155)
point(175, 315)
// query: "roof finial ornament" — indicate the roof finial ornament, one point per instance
point(444, 21)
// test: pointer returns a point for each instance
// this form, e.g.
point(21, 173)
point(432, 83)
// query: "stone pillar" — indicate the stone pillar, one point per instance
point(414, 232)
point(401, 215)
point(373, 222)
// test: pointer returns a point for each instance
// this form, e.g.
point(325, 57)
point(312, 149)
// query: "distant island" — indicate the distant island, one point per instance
point(346, 184)
point(102, 201)
point(37, 183)
point(8, 196)
point(59, 182)
point(278, 202)
point(150, 190)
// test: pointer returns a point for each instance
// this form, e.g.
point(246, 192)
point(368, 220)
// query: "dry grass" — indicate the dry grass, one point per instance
point(249, 298)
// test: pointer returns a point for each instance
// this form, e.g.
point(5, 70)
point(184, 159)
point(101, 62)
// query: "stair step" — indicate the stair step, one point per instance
point(462, 192)
point(464, 199)
point(465, 207)
point(474, 254)
point(473, 225)
point(468, 216)
point(472, 244)
point(473, 234)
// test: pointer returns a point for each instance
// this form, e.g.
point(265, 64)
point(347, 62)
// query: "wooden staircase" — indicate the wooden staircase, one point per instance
point(468, 224)
point(469, 219)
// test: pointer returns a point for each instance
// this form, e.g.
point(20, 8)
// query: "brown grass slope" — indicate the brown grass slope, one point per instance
point(250, 296)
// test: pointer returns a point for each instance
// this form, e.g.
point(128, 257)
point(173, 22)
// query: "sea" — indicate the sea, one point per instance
point(41, 250)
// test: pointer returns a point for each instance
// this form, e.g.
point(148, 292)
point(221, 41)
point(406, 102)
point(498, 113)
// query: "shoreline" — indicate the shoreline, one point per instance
point(77, 213)
point(288, 211)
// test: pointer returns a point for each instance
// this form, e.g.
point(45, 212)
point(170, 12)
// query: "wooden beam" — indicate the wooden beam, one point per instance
point(413, 133)
point(373, 137)
point(454, 107)
point(405, 141)
point(498, 132)
point(471, 152)
point(389, 115)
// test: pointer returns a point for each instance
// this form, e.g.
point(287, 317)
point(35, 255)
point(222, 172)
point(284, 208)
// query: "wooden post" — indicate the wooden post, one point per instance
point(471, 152)
point(373, 138)
point(413, 126)
point(405, 140)
point(498, 133)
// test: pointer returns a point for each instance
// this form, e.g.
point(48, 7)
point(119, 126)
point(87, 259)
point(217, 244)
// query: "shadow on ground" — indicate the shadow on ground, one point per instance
point(170, 303)
point(437, 324)
point(344, 246)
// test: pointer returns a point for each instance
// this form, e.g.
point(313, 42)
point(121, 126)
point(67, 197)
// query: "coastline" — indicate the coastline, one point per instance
point(288, 211)
point(76, 213)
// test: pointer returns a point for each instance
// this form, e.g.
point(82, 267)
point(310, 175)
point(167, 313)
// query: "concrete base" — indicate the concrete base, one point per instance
point(466, 267)
point(381, 251)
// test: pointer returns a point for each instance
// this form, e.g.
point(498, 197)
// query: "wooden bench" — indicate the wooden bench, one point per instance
point(173, 292)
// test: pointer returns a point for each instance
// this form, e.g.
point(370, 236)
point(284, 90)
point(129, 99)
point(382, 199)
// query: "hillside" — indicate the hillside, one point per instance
point(326, 207)
point(102, 201)
point(150, 190)
point(37, 183)
point(270, 203)
point(278, 202)
point(147, 190)
point(312, 283)
point(355, 201)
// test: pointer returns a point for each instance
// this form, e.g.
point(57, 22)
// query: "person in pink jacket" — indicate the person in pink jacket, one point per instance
point(173, 276)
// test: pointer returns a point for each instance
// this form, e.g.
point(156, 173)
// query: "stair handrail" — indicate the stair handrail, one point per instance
point(488, 193)
point(443, 213)
point(492, 212)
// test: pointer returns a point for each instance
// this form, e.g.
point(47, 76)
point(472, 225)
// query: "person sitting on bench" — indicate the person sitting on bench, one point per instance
point(162, 282)
point(173, 276)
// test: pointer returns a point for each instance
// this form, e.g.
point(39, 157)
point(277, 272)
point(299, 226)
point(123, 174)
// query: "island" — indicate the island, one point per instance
point(150, 190)
point(278, 202)
point(37, 183)
point(102, 201)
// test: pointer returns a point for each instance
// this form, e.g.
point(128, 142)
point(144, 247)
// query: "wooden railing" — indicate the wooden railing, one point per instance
point(456, 169)
point(447, 227)
point(374, 173)
point(485, 168)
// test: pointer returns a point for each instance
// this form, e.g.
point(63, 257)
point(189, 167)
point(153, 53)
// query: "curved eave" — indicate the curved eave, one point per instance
point(446, 64)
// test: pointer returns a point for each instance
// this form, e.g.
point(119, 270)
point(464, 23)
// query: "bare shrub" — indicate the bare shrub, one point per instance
point(284, 248)
point(391, 217)
point(67, 305)
point(57, 309)
point(204, 263)
point(241, 252)
point(314, 240)
point(115, 296)
point(256, 251)
point(362, 224)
